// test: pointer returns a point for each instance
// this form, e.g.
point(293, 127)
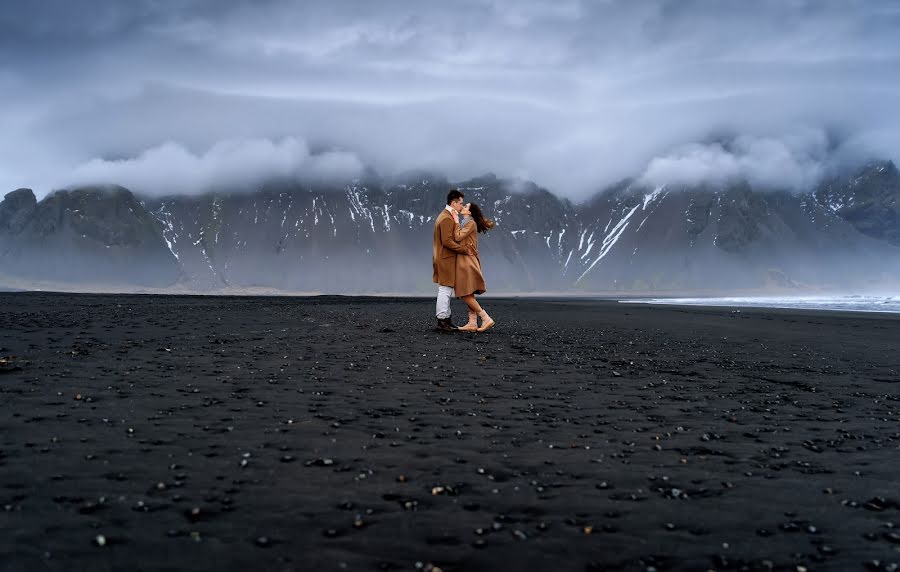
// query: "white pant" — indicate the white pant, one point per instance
point(443, 301)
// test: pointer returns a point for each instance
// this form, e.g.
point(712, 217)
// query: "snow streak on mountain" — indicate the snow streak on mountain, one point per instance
point(374, 235)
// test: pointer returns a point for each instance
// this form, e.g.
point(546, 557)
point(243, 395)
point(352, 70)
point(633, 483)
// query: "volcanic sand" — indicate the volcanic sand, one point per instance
point(331, 433)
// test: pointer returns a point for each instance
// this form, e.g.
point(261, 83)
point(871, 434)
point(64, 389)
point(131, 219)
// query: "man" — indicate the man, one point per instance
point(444, 257)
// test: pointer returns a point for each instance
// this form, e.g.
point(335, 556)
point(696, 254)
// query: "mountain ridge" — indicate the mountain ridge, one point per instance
point(372, 235)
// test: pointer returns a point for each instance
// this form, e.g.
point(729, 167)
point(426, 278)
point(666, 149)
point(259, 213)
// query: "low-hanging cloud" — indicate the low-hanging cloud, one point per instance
point(228, 165)
point(793, 163)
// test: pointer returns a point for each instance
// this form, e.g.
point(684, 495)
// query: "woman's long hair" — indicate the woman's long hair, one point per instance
point(481, 223)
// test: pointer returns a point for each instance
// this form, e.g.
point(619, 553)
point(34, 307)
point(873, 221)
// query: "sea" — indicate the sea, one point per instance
point(847, 303)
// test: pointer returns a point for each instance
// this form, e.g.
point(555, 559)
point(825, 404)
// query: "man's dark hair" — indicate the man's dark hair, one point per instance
point(453, 195)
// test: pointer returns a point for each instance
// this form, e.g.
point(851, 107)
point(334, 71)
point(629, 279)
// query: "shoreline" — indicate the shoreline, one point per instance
point(707, 302)
point(13, 285)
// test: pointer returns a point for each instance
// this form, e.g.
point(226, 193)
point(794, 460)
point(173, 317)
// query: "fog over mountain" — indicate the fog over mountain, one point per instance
point(186, 97)
point(373, 234)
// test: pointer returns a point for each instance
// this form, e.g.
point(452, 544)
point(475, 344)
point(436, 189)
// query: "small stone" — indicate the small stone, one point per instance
point(875, 504)
point(100, 540)
point(263, 542)
point(90, 507)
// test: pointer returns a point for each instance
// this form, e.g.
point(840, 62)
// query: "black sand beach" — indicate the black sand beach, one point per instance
point(216, 433)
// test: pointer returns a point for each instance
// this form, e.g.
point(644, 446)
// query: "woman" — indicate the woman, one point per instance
point(469, 280)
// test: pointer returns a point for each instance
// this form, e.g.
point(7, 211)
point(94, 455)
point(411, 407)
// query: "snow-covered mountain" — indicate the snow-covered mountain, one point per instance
point(374, 235)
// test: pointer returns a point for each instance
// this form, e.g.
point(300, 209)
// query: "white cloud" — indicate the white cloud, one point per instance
point(232, 164)
point(793, 162)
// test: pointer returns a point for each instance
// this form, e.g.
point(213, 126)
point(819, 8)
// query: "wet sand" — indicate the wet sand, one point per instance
point(332, 433)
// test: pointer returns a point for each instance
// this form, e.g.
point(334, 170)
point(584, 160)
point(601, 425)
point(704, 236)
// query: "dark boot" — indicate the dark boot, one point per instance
point(445, 325)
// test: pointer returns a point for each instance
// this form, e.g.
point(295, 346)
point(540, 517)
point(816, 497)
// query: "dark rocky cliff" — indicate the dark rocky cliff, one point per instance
point(374, 235)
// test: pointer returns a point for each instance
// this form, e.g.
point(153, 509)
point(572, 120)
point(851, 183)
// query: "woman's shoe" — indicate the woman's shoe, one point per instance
point(486, 322)
point(472, 324)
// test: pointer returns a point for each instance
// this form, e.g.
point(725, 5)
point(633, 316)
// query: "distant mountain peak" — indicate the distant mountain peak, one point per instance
point(20, 198)
point(15, 208)
point(374, 234)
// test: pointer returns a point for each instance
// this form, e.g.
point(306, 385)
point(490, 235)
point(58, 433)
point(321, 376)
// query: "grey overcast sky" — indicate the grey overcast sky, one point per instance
point(183, 95)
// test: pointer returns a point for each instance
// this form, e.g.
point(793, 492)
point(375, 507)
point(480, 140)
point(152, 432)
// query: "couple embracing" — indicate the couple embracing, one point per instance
point(457, 267)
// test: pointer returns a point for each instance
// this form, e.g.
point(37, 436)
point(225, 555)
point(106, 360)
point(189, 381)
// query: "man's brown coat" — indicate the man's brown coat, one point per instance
point(445, 250)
